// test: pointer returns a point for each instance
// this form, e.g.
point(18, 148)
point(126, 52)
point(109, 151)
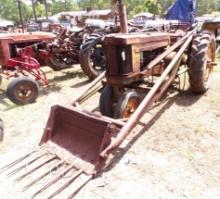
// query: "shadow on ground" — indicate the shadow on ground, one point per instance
point(185, 98)
point(54, 86)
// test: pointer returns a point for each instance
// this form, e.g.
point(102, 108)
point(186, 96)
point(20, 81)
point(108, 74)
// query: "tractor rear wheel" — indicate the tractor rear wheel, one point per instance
point(127, 104)
point(1, 130)
point(92, 56)
point(23, 90)
point(201, 62)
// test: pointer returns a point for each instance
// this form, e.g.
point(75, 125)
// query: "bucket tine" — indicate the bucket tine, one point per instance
point(34, 169)
point(6, 167)
point(42, 176)
point(65, 185)
point(53, 181)
point(24, 165)
point(80, 187)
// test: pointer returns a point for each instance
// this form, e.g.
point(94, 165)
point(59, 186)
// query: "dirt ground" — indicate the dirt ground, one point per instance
point(174, 152)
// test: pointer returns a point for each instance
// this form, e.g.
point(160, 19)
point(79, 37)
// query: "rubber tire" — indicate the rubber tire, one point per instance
point(56, 65)
point(11, 90)
point(106, 101)
point(123, 101)
point(198, 60)
point(1, 130)
point(84, 55)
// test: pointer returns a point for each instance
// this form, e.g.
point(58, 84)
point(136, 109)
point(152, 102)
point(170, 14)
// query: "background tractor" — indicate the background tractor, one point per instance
point(21, 64)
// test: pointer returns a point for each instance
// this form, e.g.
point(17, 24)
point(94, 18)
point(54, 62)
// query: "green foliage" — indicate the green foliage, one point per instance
point(59, 6)
point(9, 9)
point(95, 4)
point(137, 6)
point(207, 6)
point(40, 10)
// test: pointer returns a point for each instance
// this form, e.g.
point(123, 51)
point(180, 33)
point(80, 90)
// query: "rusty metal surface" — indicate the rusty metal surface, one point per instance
point(136, 38)
point(42, 174)
point(123, 52)
point(7, 40)
point(76, 136)
point(157, 90)
point(21, 37)
point(68, 154)
point(76, 144)
point(122, 16)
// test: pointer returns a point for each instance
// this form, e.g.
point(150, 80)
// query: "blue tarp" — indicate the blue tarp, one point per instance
point(182, 10)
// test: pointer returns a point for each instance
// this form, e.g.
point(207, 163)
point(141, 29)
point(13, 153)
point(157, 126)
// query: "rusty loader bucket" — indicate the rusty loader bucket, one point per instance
point(70, 146)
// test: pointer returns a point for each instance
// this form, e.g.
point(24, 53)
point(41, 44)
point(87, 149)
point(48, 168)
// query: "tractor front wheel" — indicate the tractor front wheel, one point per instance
point(23, 90)
point(127, 104)
point(201, 62)
point(106, 101)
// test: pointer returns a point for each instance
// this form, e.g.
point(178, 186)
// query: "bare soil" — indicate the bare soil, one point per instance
point(174, 152)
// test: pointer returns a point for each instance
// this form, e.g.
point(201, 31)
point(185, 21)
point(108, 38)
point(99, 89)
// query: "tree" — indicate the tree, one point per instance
point(61, 5)
point(9, 10)
point(94, 4)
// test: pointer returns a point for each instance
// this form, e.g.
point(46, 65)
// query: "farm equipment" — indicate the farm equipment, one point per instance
point(23, 55)
point(140, 68)
point(19, 61)
point(64, 50)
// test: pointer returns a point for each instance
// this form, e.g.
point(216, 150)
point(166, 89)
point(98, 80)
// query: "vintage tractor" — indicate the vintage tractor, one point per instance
point(64, 50)
point(140, 68)
point(19, 61)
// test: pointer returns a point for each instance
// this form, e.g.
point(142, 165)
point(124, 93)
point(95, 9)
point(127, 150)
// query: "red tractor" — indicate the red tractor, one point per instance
point(19, 61)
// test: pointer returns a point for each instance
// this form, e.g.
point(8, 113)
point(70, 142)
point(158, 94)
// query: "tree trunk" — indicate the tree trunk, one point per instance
point(34, 11)
point(65, 5)
point(20, 15)
point(46, 9)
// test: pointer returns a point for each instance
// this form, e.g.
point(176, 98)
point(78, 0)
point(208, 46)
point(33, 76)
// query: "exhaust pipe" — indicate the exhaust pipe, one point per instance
point(122, 16)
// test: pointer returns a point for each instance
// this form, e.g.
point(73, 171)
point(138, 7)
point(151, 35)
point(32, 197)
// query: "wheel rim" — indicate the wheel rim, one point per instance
point(24, 92)
point(130, 107)
point(127, 104)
